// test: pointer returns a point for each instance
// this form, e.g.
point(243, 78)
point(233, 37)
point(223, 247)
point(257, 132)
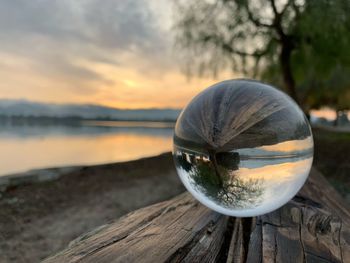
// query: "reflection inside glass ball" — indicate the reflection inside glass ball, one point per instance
point(243, 148)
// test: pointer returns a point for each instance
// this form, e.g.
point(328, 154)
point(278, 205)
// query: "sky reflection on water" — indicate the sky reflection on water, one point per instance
point(259, 180)
point(30, 147)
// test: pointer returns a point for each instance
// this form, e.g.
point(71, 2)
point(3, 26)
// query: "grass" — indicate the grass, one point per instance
point(332, 158)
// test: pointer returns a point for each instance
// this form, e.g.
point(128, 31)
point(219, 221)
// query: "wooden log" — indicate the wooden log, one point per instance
point(236, 114)
point(313, 227)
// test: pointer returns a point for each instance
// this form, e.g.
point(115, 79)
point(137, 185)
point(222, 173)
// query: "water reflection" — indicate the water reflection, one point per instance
point(246, 131)
point(244, 180)
point(89, 128)
point(219, 181)
point(25, 147)
point(130, 124)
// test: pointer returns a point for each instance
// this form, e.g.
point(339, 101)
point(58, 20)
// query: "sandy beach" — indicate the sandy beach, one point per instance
point(39, 219)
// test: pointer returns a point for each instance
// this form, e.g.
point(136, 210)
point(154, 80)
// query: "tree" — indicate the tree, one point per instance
point(296, 40)
point(223, 187)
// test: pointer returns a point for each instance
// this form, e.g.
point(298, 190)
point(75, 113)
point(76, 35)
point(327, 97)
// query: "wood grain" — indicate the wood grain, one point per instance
point(313, 227)
point(240, 114)
point(176, 230)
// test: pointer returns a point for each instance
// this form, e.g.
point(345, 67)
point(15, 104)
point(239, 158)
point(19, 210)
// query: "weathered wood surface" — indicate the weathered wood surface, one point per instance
point(313, 227)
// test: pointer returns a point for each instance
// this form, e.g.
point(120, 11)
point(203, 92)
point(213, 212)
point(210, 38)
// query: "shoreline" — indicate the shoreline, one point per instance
point(39, 175)
point(38, 219)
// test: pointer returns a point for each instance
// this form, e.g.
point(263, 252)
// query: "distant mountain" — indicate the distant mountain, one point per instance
point(23, 108)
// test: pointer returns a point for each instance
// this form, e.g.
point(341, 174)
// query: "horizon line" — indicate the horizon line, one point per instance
point(83, 104)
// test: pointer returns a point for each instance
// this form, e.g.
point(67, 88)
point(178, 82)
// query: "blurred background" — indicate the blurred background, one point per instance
point(87, 83)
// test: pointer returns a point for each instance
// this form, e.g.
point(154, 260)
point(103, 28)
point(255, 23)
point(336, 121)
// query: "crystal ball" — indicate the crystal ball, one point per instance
point(243, 148)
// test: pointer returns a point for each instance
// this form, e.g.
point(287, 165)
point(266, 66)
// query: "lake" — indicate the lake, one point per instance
point(24, 146)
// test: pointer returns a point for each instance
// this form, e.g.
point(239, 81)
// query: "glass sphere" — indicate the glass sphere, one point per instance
point(243, 148)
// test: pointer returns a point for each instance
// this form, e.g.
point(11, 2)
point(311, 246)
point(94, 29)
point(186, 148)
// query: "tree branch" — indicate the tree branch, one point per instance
point(230, 49)
point(253, 19)
point(274, 8)
point(290, 2)
point(227, 46)
point(277, 20)
point(296, 9)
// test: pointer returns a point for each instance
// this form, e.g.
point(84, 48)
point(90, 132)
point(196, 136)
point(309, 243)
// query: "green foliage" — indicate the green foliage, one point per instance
point(321, 58)
point(219, 34)
point(301, 46)
point(181, 160)
point(204, 176)
point(228, 190)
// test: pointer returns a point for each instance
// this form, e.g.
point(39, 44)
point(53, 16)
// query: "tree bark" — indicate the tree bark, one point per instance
point(313, 227)
point(288, 78)
point(212, 157)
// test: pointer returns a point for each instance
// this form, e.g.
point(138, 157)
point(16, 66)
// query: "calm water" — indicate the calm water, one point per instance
point(252, 180)
point(25, 147)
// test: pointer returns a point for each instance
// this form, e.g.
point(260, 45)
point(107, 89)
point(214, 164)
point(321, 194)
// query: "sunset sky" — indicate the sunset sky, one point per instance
point(114, 53)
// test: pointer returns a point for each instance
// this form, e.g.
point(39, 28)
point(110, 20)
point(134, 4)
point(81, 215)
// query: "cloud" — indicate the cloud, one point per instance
point(112, 52)
point(57, 33)
point(109, 24)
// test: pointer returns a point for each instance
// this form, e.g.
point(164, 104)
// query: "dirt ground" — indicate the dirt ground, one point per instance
point(40, 219)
